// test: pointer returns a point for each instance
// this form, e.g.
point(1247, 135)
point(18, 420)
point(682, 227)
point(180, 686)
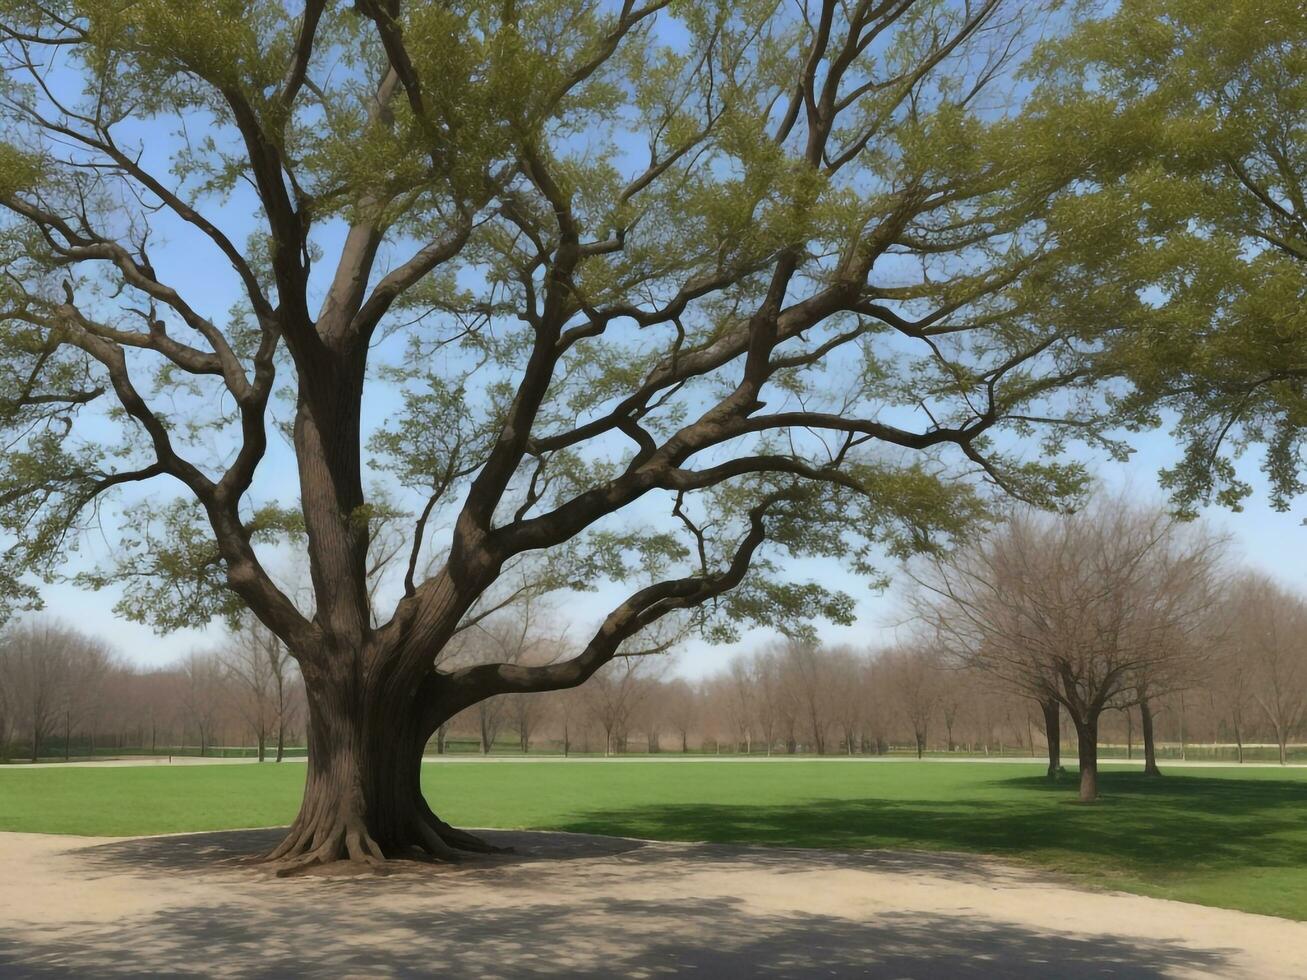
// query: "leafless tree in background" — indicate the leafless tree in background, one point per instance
point(1077, 608)
point(847, 696)
point(51, 673)
point(808, 684)
point(916, 683)
point(614, 693)
point(264, 673)
point(1269, 625)
point(738, 696)
point(204, 675)
point(684, 712)
point(86, 663)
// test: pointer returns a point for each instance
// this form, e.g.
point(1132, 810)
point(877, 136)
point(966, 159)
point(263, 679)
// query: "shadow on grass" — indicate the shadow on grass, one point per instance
point(1151, 826)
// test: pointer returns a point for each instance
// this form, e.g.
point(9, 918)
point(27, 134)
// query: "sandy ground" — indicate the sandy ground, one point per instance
point(575, 906)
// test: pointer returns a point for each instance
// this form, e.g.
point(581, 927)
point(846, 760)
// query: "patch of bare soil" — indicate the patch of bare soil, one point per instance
point(578, 906)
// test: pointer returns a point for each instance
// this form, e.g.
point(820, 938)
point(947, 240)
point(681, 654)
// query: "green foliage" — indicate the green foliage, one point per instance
point(671, 289)
point(1203, 109)
point(169, 570)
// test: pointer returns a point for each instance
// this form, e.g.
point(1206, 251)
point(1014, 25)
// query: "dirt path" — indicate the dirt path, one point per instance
point(575, 906)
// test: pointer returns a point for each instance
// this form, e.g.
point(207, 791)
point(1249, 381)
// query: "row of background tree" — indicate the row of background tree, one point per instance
point(1117, 612)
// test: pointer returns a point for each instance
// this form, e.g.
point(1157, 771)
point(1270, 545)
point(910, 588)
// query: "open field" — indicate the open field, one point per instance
point(1225, 837)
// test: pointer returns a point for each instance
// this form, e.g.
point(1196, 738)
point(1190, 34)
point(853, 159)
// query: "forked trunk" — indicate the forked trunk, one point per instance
point(1087, 731)
point(1053, 735)
point(1150, 742)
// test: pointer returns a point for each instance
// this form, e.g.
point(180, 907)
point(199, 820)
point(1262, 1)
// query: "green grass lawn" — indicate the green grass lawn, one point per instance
point(1227, 837)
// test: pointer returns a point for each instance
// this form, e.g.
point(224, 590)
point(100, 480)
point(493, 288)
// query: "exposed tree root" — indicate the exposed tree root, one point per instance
point(453, 837)
point(347, 841)
point(464, 841)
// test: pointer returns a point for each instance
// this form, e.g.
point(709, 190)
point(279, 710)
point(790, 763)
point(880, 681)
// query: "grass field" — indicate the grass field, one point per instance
point(1225, 837)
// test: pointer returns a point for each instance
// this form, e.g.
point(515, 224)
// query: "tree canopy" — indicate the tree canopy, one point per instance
point(1209, 101)
point(590, 247)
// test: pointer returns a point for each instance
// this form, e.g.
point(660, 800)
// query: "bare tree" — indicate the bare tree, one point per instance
point(915, 681)
point(525, 713)
point(86, 664)
point(1230, 676)
point(39, 660)
point(684, 709)
point(264, 674)
point(808, 683)
point(615, 692)
point(8, 702)
point(847, 697)
point(203, 690)
point(515, 630)
point(738, 697)
point(1269, 626)
point(1076, 608)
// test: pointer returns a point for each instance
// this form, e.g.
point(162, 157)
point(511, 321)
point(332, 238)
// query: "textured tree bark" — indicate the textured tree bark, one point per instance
point(1087, 732)
point(363, 795)
point(1150, 742)
point(1053, 735)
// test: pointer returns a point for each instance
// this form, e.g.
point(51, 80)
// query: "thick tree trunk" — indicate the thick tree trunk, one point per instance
point(1087, 734)
point(1150, 741)
point(1053, 735)
point(363, 795)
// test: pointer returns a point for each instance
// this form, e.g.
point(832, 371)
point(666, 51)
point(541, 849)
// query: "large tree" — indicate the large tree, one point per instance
point(1205, 107)
point(770, 281)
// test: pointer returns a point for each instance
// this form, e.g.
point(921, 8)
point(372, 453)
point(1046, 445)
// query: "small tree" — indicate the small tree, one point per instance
point(203, 683)
point(684, 709)
point(1269, 626)
point(916, 685)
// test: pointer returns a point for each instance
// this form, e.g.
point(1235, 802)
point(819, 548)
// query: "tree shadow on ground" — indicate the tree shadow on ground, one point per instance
point(345, 933)
point(239, 849)
point(1153, 826)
